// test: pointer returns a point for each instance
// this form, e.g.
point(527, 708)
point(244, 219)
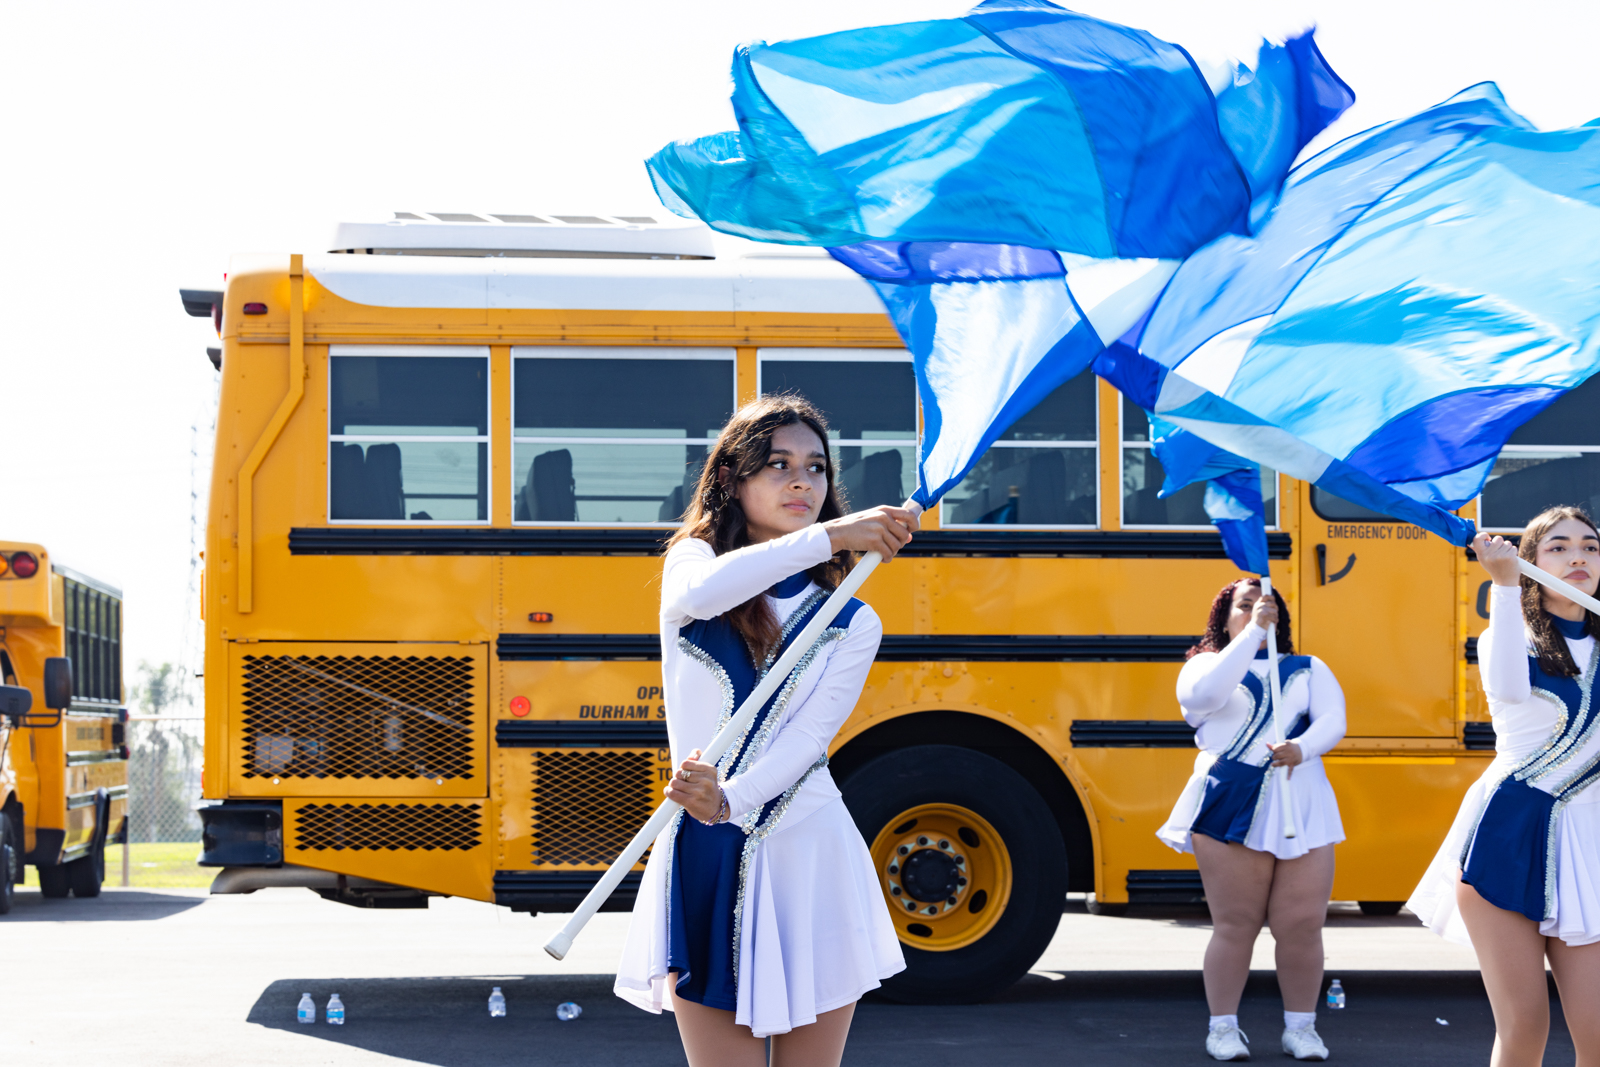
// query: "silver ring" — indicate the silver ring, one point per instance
point(687, 776)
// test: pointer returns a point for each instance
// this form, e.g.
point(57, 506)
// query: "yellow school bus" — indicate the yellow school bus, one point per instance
point(63, 753)
point(448, 453)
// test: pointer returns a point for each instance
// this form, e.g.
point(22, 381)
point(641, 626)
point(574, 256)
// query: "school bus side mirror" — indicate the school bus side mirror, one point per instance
point(57, 682)
point(15, 702)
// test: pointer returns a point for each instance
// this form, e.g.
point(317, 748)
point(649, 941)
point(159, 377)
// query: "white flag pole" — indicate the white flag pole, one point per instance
point(561, 943)
point(1554, 584)
point(1291, 820)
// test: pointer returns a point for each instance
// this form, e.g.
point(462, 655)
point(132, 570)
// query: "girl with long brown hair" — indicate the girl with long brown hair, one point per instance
point(760, 914)
point(1518, 876)
point(1230, 813)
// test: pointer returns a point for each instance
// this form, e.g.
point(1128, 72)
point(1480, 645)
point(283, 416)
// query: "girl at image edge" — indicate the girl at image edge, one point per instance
point(1518, 876)
point(760, 913)
point(1230, 812)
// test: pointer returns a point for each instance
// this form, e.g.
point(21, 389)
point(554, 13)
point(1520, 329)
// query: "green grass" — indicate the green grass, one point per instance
point(152, 866)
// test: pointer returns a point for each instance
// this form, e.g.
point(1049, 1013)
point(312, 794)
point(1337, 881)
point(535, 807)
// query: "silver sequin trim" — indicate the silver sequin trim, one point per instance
point(1561, 750)
point(1258, 718)
point(755, 830)
point(671, 854)
point(1549, 759)
point(752, 841)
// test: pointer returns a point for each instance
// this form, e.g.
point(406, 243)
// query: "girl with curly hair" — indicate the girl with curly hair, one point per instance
point(1230, 813)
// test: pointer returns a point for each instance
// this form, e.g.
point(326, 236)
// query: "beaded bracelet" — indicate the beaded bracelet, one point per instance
point(722, 811)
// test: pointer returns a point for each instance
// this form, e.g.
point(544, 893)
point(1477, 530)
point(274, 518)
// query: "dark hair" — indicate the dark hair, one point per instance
point(1555, 659)
point(1216, 635)
point(716, 517)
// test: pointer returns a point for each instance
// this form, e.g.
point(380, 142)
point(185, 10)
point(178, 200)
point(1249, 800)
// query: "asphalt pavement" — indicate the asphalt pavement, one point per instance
point(171, 977)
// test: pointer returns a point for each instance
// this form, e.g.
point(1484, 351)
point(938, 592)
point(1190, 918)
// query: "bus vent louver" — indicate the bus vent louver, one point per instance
point(587, 805)
point(358, 717)
point(409, 827)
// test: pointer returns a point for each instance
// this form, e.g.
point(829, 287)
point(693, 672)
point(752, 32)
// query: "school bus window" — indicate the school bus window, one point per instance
point(1041, 472)
point(1329, 506)
point(613, 435)
point(1142, 477)
point(1553, 458)
point(869, 397)
point(408, 434)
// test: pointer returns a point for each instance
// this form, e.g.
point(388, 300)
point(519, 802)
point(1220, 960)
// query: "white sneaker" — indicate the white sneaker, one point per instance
point(1304, 1044)
point(1228, 1043)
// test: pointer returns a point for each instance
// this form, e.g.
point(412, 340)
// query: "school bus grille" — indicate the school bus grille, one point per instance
point(358, 717)
point(588, 805)
point(429, 827)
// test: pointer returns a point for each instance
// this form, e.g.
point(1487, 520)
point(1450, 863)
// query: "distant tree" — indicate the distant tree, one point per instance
point(164, 768)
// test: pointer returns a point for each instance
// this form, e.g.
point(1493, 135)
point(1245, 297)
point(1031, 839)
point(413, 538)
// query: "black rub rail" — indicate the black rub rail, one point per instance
point(1092, 544)
point(536, 891)
point(1131, 733)
point(565, 733)
point(896, 648)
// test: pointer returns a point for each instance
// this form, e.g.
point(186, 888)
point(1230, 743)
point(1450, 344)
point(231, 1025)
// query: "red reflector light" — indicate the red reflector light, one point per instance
point(255, 309)
point(24, 565)
point(541, 616)
point(520, 706)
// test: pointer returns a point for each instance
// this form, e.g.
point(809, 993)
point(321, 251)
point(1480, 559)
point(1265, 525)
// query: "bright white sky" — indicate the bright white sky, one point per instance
point(146, 143)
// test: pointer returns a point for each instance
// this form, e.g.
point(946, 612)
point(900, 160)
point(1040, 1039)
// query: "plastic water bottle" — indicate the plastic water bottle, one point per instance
point(1336, 995)
point(568, 1011)
point(308, 1009)
point(497, 1004)
point(335, 1011)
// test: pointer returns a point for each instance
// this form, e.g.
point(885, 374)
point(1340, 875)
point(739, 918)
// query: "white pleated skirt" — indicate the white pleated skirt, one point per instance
point(816, 933)
point(1576, 919)
point(1314, 803)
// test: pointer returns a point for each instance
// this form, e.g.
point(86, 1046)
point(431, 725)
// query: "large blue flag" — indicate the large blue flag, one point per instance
point(1018, 185)
point(1022, 123)
point(1419, 291)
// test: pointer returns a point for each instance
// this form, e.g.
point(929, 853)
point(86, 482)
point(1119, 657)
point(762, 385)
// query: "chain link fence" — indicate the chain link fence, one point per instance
point(164, 778)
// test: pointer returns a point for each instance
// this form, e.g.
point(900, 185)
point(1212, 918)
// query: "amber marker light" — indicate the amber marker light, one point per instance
point(5, 566)
point(520, 706)
point(540, 616)
point(24, 565)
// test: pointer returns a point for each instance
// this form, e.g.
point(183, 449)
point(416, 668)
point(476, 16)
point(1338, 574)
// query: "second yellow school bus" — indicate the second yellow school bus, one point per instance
point(448, 453)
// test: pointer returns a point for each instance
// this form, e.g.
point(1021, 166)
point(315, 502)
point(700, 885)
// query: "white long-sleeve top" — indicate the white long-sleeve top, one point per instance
point(699, 584)
point(1214, 701)
point(1523, 722)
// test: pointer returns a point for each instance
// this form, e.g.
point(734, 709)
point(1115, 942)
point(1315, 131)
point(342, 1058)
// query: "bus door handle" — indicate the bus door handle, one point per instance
point(1323, 577)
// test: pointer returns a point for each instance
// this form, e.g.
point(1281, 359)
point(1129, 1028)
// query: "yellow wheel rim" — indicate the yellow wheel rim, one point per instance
point(945, 873)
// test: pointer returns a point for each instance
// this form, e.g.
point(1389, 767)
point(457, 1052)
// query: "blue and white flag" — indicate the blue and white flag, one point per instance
point(1018, 185)
point(1021, 123)
point(1419, 291)
point(1233, 490)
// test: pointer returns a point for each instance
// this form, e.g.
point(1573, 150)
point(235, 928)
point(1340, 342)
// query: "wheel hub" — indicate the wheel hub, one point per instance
point(927, 875)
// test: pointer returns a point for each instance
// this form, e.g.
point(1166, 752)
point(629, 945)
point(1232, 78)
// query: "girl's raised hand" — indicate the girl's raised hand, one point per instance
point(1265, 613)
point(1499, 558)
point(884, 530)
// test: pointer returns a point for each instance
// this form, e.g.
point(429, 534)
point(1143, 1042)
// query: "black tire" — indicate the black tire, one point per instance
point(8, 867)
point(87, 873)
point(1381, 907)
point(54, 882)
point(888, 785)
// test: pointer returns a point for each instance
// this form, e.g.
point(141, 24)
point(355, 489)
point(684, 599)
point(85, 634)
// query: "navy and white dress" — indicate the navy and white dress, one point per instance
point(1527, 837)
point(1226, 696)
point(777, 914)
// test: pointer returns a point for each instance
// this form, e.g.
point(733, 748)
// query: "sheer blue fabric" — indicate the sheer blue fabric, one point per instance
point(1419, 291)
point(1016, 184)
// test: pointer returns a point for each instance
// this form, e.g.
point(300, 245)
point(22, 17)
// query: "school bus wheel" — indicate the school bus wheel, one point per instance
point(8, 865)
point(971, 864)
